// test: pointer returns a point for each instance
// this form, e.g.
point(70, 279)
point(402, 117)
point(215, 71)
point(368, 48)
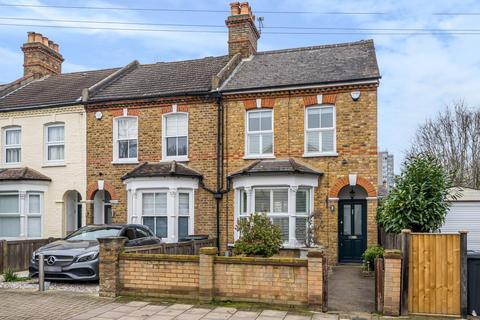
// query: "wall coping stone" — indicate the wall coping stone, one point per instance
point(392, 254)
point(158, 257)
point(291, 262)
point(315, 253)
point(211, 251)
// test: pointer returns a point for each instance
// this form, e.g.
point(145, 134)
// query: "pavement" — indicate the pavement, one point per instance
point(52, 305)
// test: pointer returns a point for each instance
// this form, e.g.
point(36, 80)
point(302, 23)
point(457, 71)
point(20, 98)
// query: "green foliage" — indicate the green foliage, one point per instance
point(418, 201)
point(258, 236)
point(10, 276)
point(370, 255)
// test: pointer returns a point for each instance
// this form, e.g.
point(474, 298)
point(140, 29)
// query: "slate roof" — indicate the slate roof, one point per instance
point(162, 169)
point(276, 166)
point(25, 173)
point(65, 88)
point(306, 66)
point(164, 78)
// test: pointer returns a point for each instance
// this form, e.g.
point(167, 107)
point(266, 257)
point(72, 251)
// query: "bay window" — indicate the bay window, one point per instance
point(259, 137)
point(168, 213)
point(320, 132)
point(125, 132)
point(21, 214)
point(12, 145)
point(55, 142)
point(287, 207)
point(175, 136)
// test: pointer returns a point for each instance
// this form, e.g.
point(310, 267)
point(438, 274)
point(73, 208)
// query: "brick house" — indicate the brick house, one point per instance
point(189, 147)
point(42, 126)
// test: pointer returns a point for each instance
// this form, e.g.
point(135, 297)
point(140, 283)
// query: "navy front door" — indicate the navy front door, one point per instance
point(352, 230)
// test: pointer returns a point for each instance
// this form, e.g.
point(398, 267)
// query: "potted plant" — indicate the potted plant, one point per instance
point(311, 240)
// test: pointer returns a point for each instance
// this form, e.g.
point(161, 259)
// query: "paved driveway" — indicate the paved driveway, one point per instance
point(22, 304)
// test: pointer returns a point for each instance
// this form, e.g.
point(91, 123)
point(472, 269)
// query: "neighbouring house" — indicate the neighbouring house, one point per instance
point(192, 146)
point(464, 214)
point(43, 150)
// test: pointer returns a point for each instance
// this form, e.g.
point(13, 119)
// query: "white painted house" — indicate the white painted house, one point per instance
point(43, 145)
point(464, 214)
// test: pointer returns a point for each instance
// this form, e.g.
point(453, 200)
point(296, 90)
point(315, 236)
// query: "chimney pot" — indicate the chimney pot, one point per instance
point(55, 47)
point(31, 37)
point(245, 8)
point(38, 37)
point(235, 8)
point(45, 41)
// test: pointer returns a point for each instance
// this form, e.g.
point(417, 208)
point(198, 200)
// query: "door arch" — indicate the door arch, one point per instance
point(352, 224)
point(102, 207)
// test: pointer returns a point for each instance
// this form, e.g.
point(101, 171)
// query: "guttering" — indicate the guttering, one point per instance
point(40, 106)
point(151, 97)
point(365, 81)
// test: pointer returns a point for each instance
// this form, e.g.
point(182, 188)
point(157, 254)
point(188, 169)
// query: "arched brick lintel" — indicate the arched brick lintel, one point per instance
point(93, 187)
point(342, 182)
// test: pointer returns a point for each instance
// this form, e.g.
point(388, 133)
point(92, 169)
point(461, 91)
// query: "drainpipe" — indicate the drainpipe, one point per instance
point(219, 194)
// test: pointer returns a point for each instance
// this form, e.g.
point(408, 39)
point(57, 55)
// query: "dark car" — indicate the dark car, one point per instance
point(76, 257)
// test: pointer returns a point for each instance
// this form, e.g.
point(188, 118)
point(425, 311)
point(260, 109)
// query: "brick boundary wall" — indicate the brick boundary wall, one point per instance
point(207, 277)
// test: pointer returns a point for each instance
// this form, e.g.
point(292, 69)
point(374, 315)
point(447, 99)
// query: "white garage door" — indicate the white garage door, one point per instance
point(465, 216)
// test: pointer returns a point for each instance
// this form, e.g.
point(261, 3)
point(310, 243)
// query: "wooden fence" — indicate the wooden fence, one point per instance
point(390, 241)
point(191, 247)
point(434, 278)
point(16, 254)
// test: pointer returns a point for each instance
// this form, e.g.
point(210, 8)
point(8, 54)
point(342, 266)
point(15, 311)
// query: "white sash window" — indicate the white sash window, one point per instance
point(320, 134)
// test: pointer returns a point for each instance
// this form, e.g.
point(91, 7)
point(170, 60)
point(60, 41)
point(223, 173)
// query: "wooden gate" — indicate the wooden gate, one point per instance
point(434, 274)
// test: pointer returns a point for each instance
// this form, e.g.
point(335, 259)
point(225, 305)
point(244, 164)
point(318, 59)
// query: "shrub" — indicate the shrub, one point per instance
point(10, 276)
point(419, 200)
point(258, 236)
point(370, 255)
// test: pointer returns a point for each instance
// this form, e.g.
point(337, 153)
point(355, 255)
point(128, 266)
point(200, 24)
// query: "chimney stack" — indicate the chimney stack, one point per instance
point(242, 32)
point(41, 56)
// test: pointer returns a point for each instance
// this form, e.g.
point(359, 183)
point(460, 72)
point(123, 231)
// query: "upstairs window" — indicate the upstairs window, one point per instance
point(175, 135)
point(320, 130)
point(55, 142)
point(259, 133)
point(126, 139)
point(12, 145)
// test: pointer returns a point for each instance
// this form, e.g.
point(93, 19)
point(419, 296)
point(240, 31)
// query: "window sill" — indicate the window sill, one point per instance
point(135, 161)
point(178, 159)
point(259, 157)
point(324, 154)
point(12, 165)
point(57, 164)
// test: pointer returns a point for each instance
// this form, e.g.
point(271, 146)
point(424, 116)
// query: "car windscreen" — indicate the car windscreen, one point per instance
point(90, 234)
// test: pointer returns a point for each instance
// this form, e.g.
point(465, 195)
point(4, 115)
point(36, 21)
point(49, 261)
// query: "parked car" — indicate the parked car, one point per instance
point(76, 257)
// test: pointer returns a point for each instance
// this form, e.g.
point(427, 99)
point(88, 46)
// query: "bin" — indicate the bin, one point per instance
point(473, 286)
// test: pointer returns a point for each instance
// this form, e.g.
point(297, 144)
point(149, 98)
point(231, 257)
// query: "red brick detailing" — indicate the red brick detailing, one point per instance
point(268, 103)
point(133, 112)
point(166, 109)
point(93, 187)
point(342, 182)
point(182, 108)
point(250, 104)
point(309, 100)
point(117, 113)
point(329, 98)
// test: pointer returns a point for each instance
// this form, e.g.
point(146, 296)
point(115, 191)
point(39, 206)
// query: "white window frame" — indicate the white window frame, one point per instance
point(154, 214)
point(54, 143)
point(173, 211)
point(116, 158)
point(292, 242)
point(34, 215)
point(165, 157)
point(260, 155)
point(23, 212)
point(15, 146)
point(334, 128)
